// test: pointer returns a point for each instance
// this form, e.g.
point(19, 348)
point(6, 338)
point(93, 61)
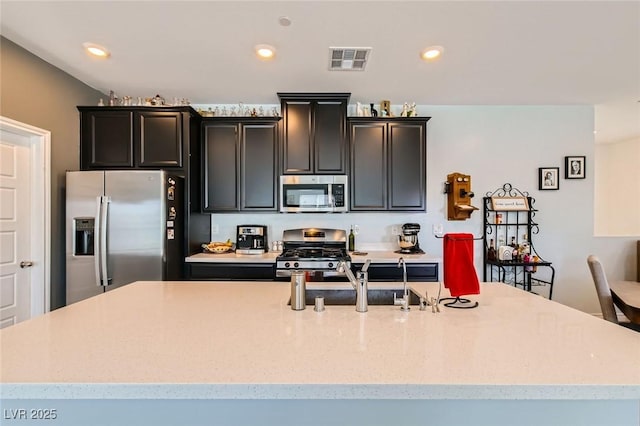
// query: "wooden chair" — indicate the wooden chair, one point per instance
point(604, 293)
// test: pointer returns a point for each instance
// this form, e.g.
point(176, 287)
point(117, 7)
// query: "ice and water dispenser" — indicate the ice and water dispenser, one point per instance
point(83, 236)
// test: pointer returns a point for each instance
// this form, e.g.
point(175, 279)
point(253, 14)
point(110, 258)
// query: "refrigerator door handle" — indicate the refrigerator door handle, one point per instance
point(104, 222)
point(96, 241)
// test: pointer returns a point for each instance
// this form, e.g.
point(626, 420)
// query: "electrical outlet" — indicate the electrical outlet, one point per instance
point(438, 229)
point(356, 229)
point(215, 229)
point(395, 230)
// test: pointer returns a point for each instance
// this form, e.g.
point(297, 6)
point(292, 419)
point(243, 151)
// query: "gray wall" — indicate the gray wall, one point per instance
point(37, 93)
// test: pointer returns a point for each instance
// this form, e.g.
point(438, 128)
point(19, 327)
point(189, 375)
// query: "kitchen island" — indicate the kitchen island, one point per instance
point(192, 352)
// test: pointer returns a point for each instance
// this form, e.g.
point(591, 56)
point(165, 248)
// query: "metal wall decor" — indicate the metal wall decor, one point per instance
point(509, 230)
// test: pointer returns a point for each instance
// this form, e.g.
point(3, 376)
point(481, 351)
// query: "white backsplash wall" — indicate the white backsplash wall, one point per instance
point(374, 229)
point(495, 145)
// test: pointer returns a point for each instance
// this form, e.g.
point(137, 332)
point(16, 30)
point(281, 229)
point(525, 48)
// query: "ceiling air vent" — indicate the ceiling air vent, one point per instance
point(348, 58)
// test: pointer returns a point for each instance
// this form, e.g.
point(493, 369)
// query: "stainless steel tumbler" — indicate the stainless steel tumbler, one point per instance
point(298, 290)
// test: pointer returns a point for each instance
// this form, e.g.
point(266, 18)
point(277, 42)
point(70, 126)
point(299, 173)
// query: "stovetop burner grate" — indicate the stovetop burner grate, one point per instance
point(314, 253)
point(312, 249)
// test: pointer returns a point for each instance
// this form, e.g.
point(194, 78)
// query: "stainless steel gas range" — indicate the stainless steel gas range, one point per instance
point(312, 249)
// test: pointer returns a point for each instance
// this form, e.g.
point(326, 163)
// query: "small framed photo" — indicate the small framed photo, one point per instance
point(574, 167)
point(548, 178)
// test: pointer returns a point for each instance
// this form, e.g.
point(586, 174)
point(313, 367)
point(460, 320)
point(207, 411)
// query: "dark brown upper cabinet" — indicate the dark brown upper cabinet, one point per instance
point(239, 164)
point(140, 137)
point(314, 135)
point(388, 164)
point(160, 139)
point(134, 137)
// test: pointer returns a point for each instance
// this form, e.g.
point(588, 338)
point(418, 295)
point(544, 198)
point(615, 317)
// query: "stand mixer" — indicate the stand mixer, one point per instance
point(408, 239)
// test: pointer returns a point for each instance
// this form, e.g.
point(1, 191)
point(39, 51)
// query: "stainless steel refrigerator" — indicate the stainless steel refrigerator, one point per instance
point(122, 226)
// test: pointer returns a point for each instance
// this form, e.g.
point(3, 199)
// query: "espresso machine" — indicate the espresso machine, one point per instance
point(408, 239)
point(252, 239)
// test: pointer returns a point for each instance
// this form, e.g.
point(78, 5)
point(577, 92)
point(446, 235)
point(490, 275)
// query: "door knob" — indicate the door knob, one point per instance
point(26, 264)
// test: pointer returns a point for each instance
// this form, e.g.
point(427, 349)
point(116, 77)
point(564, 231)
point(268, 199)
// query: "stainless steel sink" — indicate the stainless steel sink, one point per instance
point(347, 296)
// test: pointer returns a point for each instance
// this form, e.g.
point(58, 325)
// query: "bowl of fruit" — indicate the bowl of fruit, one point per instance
point(218, 247)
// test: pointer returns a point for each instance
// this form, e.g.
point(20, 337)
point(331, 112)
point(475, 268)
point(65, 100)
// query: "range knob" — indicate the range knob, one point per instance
point(287, 264)
point(296, 264)
point(330, 265)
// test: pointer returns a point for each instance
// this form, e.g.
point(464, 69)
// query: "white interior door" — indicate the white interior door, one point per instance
point(15, 231)
point(25, 221)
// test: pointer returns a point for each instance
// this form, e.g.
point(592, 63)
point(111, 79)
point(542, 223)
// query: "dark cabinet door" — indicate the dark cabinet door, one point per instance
point(221, 167)
point(159, 139)
point(407, 166)
point(368, 166)
point(329, 137)
point(259, 172)
point(106, 140)
point(314, 133)
point(231, 271)
point(427, 272)
point(388, 164)
point(240, 165)
point(297, 142)
point(124, 138)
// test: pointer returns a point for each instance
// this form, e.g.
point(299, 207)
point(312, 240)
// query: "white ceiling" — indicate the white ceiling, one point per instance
point(496, 53)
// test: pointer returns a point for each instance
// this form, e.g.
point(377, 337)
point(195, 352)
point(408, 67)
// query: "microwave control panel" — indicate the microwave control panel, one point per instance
point(337, 191)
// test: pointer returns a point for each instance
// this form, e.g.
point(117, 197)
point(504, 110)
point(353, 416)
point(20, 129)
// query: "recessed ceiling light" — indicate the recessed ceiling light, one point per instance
point(96, 50)
point(264, 51)
point(431, 53)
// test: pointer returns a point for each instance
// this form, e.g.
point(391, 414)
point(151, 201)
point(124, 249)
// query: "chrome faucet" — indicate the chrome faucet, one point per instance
point(404, 301)
point(360, 284)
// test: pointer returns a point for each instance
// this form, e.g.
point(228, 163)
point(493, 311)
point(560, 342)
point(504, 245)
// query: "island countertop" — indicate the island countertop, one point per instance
point(240, 340)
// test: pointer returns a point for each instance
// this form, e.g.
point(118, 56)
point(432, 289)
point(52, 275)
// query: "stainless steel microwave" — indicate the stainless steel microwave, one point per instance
point(313, 193)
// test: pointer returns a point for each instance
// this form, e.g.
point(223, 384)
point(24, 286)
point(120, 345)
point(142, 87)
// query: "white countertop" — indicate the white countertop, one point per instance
point(376, 256)
point(240, 340)
point(389, 256)
point(268, 257)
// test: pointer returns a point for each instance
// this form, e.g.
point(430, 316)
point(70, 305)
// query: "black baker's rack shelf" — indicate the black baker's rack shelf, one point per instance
point(518, 227)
